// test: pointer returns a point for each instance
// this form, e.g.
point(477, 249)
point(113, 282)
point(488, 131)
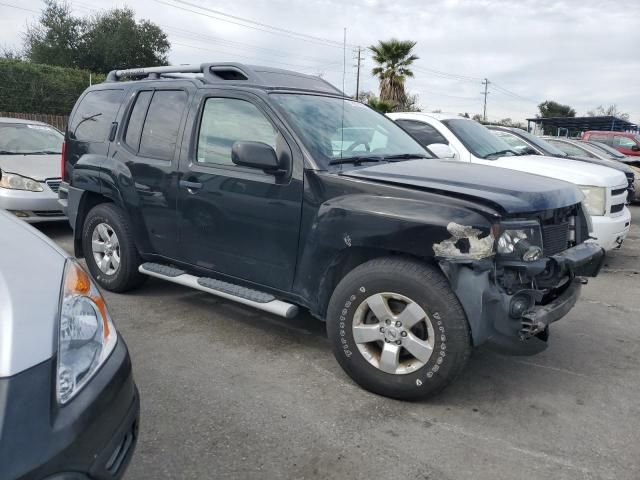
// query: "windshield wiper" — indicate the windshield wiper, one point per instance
point(357, 160)
point(405, 156)
point(499, 153)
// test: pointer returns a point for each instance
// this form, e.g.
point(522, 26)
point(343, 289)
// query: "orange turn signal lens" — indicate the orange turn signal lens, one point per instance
point(77, 280)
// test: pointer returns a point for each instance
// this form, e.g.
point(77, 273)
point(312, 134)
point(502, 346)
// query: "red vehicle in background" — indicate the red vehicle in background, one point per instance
point(625, 142)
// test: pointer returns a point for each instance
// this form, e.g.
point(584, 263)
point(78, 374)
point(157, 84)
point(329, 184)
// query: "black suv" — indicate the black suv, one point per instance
point(275, 190)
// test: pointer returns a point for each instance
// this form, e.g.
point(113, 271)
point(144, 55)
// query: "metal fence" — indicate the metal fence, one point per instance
point(58, 121)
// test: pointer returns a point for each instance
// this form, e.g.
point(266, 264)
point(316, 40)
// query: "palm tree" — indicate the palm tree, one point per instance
point(393, 58)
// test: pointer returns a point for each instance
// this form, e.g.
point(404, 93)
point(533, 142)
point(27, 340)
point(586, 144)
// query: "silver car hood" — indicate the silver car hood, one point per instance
point(38, 167)
point(31, 270)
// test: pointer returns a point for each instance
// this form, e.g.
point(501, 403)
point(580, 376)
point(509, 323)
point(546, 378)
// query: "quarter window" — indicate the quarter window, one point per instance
point(229, 120)
point(160, 131)
point(97, 110)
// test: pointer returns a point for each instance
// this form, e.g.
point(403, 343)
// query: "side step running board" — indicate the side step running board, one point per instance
point(246, 296)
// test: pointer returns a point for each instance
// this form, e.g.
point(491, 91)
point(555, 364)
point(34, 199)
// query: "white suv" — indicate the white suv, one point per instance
point(458, 138)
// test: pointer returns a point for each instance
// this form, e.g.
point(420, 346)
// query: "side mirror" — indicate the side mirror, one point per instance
point(255, 155)
point(442, 150)
point(635, 148)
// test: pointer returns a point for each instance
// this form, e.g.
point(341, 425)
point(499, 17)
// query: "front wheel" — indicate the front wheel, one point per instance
point(397, 329)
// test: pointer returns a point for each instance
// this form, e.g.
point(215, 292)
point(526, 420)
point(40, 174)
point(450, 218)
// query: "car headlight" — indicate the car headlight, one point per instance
point(14, 181)
point(87, 335)
point(594, 199)
point(520, 240)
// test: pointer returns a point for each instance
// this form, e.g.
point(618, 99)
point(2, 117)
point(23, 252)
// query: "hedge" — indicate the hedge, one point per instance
point(35, 88)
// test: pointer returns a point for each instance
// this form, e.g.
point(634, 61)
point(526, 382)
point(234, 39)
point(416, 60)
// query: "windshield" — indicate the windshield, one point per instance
point(26, 139)
point(542, 144)
point(333, 129)
point(612, 152)
point(478, 139)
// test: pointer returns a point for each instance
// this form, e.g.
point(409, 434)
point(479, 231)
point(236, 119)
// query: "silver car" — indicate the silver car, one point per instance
point(30, 155)
point(69, 406)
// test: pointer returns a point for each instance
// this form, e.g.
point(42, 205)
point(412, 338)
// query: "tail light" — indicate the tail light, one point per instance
point(64, 150)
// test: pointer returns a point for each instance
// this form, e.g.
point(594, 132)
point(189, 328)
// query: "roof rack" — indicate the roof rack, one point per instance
point(230, 73)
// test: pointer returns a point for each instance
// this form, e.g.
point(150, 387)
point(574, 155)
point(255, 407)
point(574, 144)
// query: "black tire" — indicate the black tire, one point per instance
point(126, 277)
point(430, 290)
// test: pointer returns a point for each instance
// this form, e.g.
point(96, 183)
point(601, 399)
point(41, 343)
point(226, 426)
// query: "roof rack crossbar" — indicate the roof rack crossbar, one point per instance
point(115, 75)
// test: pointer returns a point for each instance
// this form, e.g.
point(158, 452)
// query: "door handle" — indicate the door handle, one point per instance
point(190, 186)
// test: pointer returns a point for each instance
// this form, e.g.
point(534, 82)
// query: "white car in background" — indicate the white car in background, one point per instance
point(462, 139)
point(30, 165)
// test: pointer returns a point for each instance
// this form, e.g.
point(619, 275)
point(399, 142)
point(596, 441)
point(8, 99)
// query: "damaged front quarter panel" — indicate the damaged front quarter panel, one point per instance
point(466, 242)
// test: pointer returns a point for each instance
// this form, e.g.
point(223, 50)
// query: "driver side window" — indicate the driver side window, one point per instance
point(226, 121)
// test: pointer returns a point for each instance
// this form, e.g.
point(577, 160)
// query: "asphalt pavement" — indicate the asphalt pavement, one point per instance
point(231, 392)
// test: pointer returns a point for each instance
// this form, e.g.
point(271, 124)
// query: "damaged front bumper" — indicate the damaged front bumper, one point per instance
point(516, 320)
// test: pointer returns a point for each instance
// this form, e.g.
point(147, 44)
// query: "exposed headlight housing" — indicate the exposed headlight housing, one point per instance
point(520, 240)
point(14, 181)
point(594, 199)
point(87, 335)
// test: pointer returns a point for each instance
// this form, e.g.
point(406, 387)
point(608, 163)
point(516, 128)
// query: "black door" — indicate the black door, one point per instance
point(148, 179)
point(239, 221)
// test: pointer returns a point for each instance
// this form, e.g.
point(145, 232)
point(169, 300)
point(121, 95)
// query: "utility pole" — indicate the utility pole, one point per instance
point(486, 83)
point(359, 59)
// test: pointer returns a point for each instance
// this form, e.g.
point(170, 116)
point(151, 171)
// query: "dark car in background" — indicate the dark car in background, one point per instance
point(526, 143)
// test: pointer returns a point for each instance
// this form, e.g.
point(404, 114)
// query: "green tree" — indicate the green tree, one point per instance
point(109, 40)
point(54, 40)
point(549, 108)
point(393, 58)
point(115, 40)
point(380, 105)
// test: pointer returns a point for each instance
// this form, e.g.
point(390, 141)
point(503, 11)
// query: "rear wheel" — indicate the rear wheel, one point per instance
point(111, 255)
point(397, 329)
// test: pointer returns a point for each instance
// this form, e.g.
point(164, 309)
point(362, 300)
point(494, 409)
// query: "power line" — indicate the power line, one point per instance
point(19, 8)
point(252, 24)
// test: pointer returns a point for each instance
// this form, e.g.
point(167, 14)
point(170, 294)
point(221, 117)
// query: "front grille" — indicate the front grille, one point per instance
point(618, 191)
point(54, 184)
point(48, 213)
point(555, 238)
point(617, 208)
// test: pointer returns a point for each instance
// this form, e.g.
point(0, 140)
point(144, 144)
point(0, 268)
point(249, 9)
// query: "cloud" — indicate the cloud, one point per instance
point(582, 53)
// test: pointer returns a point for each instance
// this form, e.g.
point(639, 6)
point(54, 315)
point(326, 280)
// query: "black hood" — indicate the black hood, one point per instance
point(511, 191)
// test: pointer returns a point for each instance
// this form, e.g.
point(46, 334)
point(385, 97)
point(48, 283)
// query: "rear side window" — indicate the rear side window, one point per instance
point(92, 120)
point(160, 130)
point(424, 133)
point(136, 119)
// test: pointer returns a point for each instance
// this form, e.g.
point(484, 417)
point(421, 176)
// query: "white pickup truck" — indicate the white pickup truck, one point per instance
point(459, 138)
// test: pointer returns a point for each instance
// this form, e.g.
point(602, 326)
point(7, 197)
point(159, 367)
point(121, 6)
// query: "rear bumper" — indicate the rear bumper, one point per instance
point(32, 207)
point(491, 311)
point(610, 232)
point(92, 437)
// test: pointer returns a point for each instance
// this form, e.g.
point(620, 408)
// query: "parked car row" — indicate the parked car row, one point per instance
point(457, 138)
point(274, 190)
